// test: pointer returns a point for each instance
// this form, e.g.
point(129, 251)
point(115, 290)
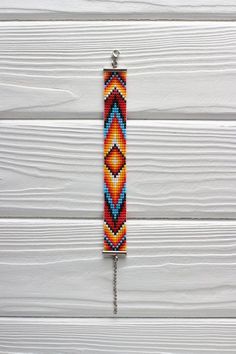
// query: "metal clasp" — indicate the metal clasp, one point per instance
point(114, 58)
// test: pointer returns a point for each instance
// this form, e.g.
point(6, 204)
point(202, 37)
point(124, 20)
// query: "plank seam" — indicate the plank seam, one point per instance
point(127, 19)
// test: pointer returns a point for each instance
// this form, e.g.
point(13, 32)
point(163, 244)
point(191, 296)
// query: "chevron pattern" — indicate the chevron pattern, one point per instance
point(114, 160)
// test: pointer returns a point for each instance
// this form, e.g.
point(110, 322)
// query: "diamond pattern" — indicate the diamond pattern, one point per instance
point(115, 160)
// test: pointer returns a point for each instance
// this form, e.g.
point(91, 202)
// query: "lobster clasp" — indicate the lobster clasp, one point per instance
point(114, 58)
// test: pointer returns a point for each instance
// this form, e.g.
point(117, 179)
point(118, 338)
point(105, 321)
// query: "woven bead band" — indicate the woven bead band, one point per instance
point(114, 161)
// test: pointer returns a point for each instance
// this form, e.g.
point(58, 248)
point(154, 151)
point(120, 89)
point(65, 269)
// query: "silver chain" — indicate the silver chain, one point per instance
point(115, 305)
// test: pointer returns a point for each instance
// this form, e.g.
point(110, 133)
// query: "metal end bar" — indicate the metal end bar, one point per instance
point(115, 302)
point(109, 69)
point(114, 253)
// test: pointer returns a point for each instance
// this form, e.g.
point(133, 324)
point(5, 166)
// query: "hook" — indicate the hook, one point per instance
point(114, 58)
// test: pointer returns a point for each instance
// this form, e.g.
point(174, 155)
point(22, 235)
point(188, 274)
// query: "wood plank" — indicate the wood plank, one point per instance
point(138, 9)
point(180, 70)
point(173, 269)
point(176, 169)
point(115, 336)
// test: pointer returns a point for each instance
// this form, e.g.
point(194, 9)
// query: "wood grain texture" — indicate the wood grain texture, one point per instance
point(117, 9)
point(116, 336)
point(173, 268)
point(180, 70)
point(176, 169)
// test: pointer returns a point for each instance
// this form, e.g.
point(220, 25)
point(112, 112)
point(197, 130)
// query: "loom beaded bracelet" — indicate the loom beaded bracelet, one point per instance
point(115, 166)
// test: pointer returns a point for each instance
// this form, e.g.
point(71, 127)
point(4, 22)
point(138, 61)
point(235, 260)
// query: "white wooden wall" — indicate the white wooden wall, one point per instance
point(177, 286)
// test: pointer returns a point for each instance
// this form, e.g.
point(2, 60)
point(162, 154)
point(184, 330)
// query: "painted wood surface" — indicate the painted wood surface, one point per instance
point(181, 70)
point(173, 269)
point(176, 169)
point(116, 336)
point(137, 9)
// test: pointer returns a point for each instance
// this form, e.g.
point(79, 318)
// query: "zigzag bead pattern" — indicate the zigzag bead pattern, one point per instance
point(114, 160)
